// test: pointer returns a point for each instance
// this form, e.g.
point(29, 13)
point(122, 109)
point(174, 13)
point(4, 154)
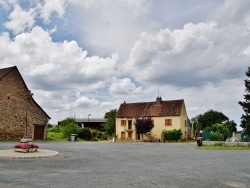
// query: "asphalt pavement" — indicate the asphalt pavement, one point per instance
point(114, 165)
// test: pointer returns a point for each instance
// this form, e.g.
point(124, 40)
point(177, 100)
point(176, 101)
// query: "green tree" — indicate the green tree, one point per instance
point(143, 125)
point(209, 118)
point(232, 126)
point(67, 121)
point(222, 129)
point(69, 129)
point(215, 136)
point(245, 118)
point(109, 125)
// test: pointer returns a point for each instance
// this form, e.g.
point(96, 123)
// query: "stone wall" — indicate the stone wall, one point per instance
point(212, 143)
point(18, 110)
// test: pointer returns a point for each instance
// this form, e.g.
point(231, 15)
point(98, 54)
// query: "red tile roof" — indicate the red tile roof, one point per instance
point(157, 108)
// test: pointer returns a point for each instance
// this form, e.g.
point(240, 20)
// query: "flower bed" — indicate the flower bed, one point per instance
point(25, 147)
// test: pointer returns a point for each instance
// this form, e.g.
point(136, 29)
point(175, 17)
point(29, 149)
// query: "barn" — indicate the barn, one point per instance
point(20, 115)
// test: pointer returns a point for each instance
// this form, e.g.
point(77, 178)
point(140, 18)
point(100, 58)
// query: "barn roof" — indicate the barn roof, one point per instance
point(158, 108)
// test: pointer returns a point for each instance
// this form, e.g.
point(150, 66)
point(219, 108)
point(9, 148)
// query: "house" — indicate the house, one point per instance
point(166, 115)
point(20, 115)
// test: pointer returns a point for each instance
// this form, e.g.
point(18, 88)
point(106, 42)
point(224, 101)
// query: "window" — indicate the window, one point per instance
point(168, 122)
point(123, 122)
point(129, 124)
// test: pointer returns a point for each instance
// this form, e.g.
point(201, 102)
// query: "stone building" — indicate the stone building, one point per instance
point(20, 115)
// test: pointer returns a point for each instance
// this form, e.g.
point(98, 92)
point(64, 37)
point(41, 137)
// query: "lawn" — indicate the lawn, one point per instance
point(223, 147)
point(55, 135)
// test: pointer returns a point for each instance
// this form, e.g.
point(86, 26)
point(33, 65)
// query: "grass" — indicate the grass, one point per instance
point(223, 147)
point(55, 136)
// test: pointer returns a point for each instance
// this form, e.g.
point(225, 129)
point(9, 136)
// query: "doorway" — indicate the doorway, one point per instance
point(39, 132)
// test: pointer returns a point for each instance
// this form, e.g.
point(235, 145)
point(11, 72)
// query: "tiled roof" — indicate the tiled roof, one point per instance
point(84, 120)
point(151, 109)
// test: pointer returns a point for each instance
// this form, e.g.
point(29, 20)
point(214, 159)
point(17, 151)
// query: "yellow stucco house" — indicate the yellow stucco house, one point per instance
point(166, 115)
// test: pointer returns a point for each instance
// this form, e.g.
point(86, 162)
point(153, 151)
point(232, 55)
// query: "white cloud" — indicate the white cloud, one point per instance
point(97, 68)
point(247, 52)
point(109, 26)
point(20, 20)
point(233, 12)
point(137, 8)
point(7, 4)
point(49, 7)
point(85, 102)
point(58, 72)
point(189, 49)
point(193, 56)
point(124, 87)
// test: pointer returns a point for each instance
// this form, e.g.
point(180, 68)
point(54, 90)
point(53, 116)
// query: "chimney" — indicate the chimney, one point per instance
point(158, 100)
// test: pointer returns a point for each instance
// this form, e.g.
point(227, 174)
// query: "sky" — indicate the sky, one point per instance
point(81, 57)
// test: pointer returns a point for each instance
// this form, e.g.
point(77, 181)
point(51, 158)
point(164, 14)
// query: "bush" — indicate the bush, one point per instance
point(99, 135)
point(85, 134)
point(94, 133)
point(54, 129)
point(50, 126)
point(215, 136)
point(172, 134)
point(69, 129)
point(67, 121)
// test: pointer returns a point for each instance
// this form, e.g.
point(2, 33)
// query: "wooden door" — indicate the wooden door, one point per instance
point(39, 132)
point(122, 135)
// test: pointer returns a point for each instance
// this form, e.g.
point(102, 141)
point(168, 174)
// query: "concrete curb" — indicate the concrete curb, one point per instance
point(11, 154)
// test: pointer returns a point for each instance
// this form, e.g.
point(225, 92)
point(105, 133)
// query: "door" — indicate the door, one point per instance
point(130, 135)
point(122, 135)
point(39, 132)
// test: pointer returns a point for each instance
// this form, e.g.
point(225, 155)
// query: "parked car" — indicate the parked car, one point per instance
point(246, 139)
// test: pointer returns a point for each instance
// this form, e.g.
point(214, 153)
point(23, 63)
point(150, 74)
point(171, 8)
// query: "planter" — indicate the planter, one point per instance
point(25, 147)
point(33, 149)
point(21, 150)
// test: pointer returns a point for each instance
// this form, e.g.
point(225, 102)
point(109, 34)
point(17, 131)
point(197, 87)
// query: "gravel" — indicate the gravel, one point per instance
point(108, 165)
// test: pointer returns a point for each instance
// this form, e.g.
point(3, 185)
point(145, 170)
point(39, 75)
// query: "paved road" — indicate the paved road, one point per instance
point(109, 165)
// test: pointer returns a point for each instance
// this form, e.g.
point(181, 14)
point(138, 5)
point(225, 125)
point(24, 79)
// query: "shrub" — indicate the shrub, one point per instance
point(215, 136)
point(67, 121)
point(54, 129)
point(94, 133)
point(50, 126)
point(69, 129)
point(172, 134)
point(85, 134)
point(99, 135)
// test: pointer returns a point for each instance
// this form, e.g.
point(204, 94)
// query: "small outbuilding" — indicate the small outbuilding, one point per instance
point(92, 123)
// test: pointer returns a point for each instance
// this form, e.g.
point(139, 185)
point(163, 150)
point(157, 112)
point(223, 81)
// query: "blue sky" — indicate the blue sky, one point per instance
point(87, 57)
